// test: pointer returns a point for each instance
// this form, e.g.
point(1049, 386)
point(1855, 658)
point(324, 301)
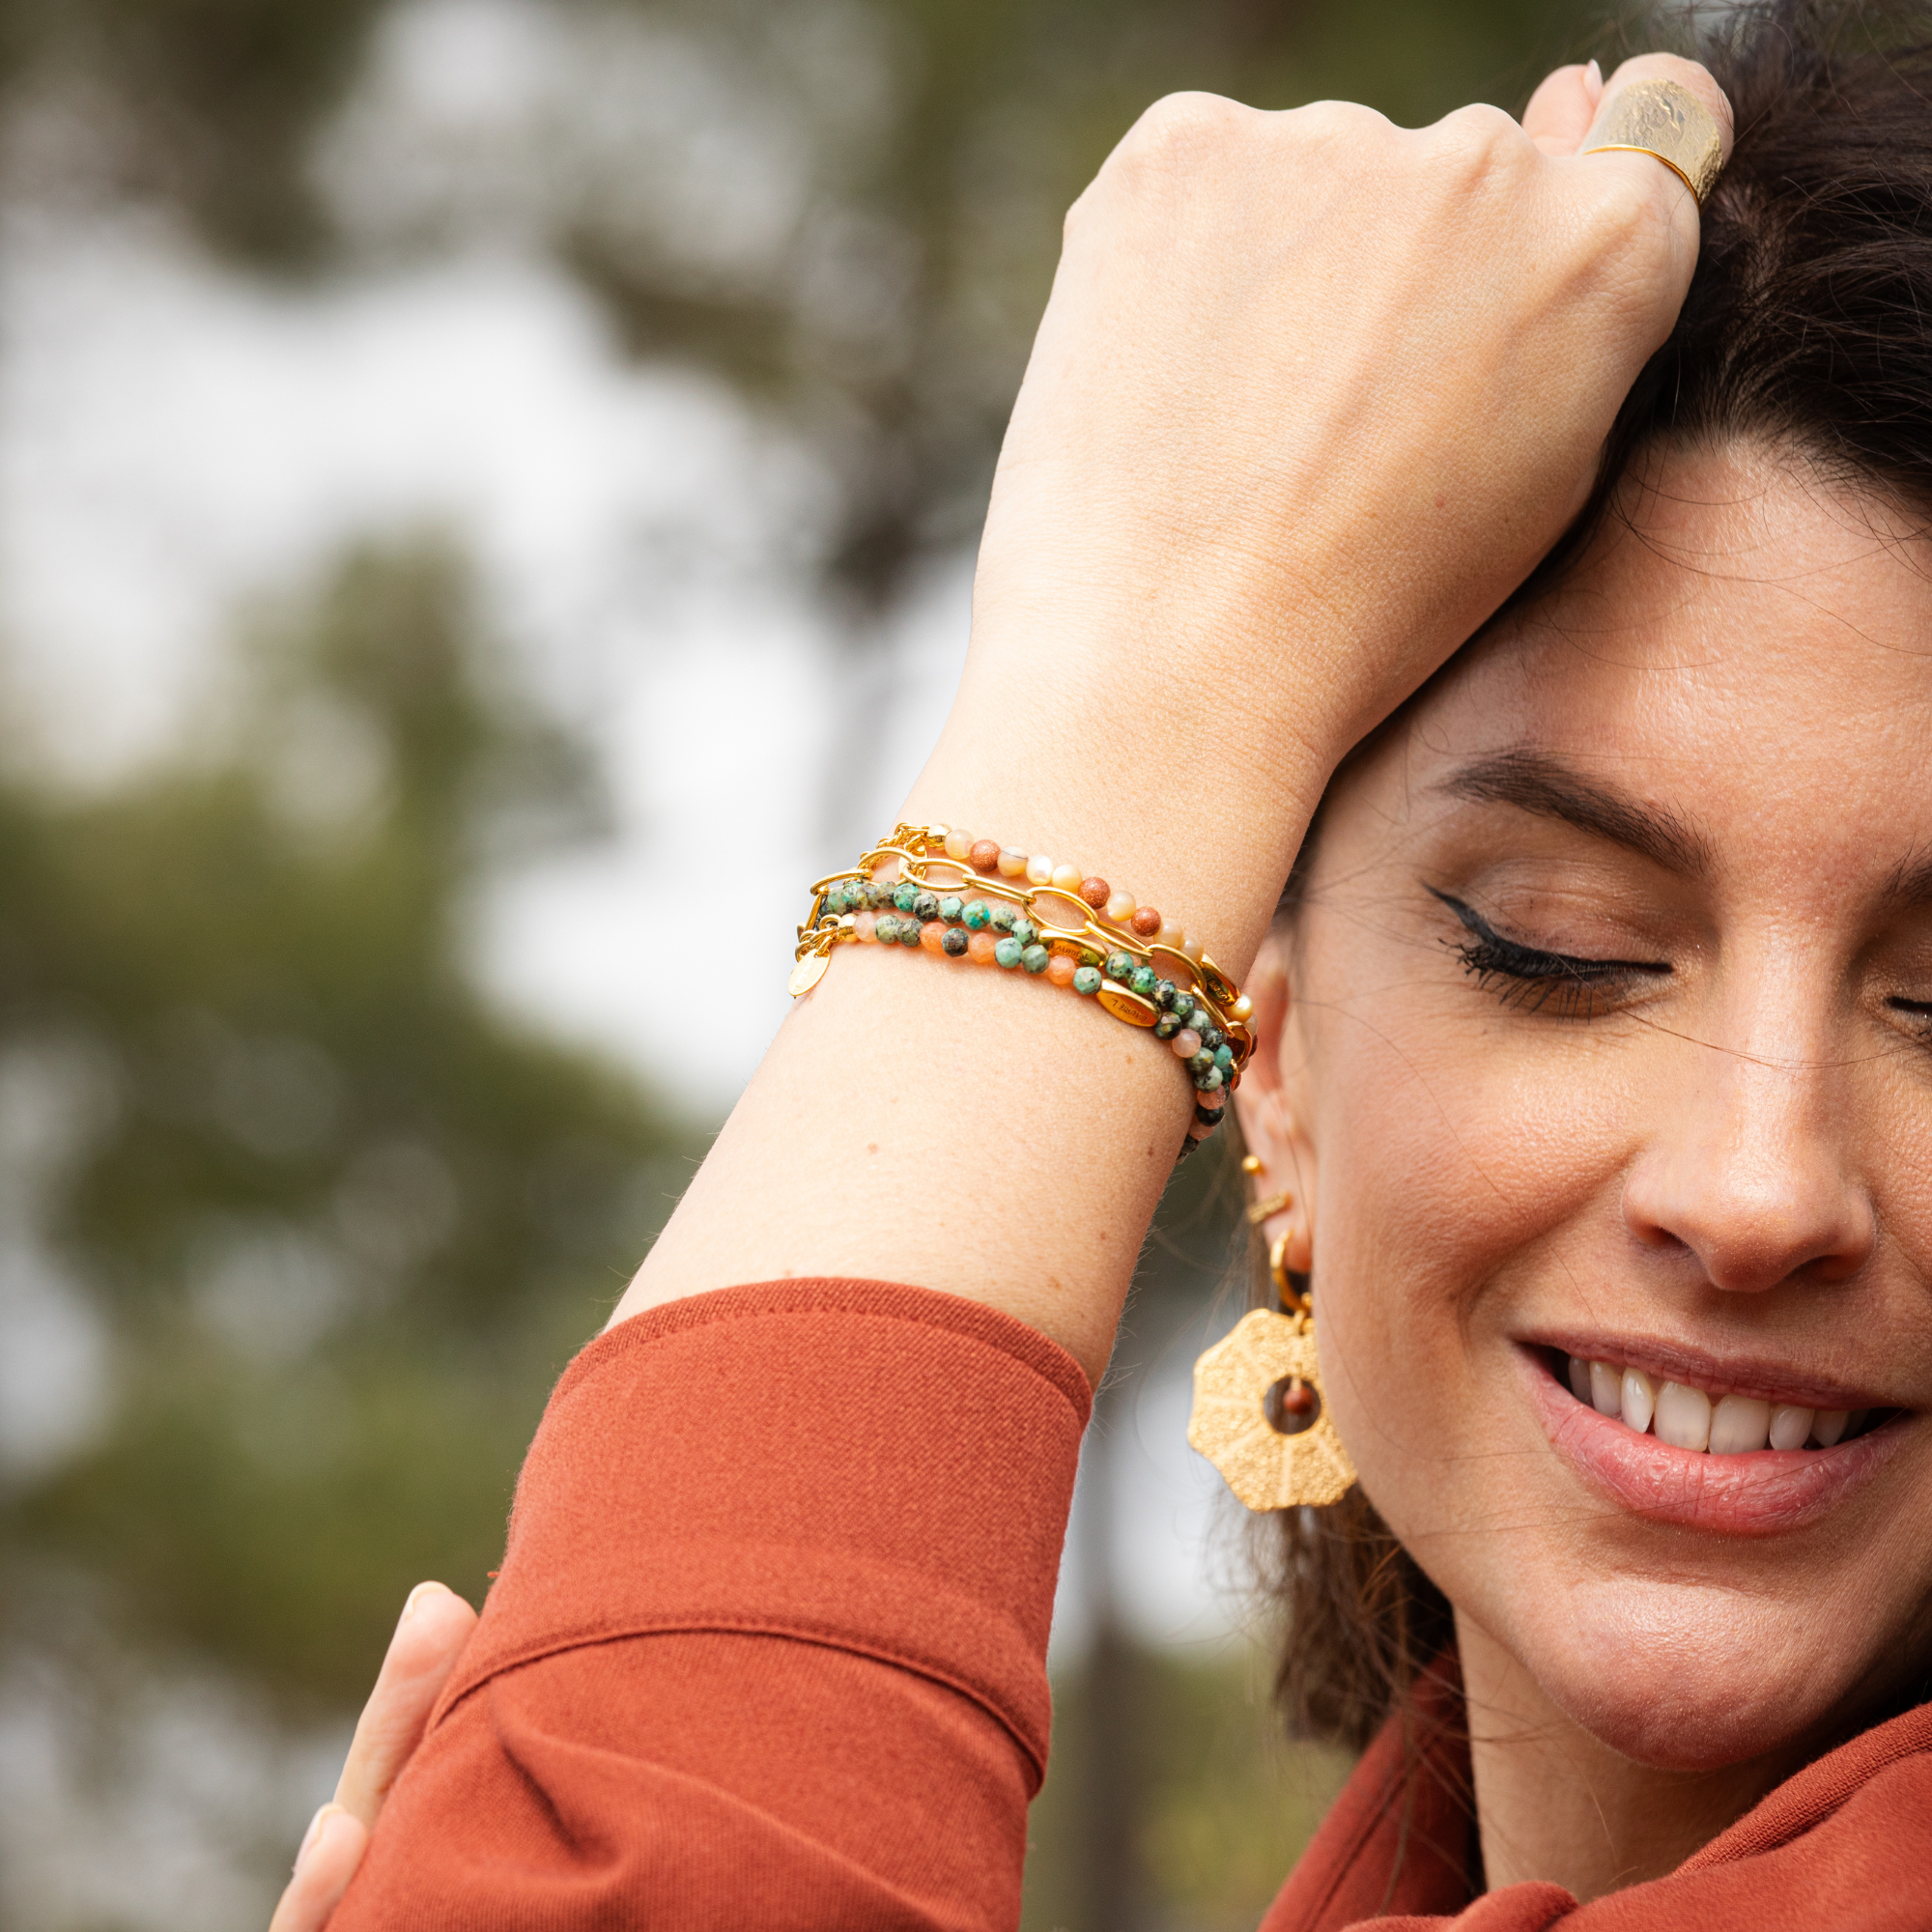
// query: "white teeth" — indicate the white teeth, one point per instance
point(1640, 1400)
point(1683, 1417)
point(1607, 1389)
point(1828, 1425)
point(1579, 1379)
point(1739, 1424)
point(1790, 1427)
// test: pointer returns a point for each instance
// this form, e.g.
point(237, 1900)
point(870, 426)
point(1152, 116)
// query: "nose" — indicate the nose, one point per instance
point(1753, 1176)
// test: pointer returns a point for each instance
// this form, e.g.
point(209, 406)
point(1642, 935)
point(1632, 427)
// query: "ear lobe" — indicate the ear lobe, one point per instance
point(1266, 1105)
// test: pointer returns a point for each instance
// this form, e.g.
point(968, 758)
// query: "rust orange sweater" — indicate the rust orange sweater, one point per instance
point(768, 1651)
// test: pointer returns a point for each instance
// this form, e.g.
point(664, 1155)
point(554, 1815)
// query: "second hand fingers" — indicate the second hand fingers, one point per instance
point(429, 1634)
point(330, 1853)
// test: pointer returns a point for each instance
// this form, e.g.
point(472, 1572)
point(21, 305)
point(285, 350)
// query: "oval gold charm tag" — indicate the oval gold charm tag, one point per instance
point(1126, 1004)
point(1230, 1425)
point(807, 974)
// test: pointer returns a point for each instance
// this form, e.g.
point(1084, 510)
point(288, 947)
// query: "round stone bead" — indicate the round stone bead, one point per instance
point(1006, 951)
point(977, 913)
point(1211, 1036)
point(1012, 865)
point(886, 929)
point(1198, 1130)
point(1183, 1007)
point(956, 941)
point(984, 855)
point(1097, 892)
point(1145, 923)
point(958, 844)
point(1163, 994)
point(1142, 980)
point(1087, 980)
point(1040, 870)
point(1186, 1043)
point(1025, 931)
point(1173, 933)
point(835, 899)
point(1060, 969)
point(926, 907)
point(1210, 1101)
point(1208, 1082)
point(1067, 878)
point(950, 907)
point(1035, 958)
point(932, 935)
point(1199, 1064)
point(1193, 948)
point(1119, 966)
point(1119, 907)
point(1224, 1059)
point(910, 931)
point(906, 897)
point(1004, 917)
point(867, 927)
point(982, 946)
point(1166, 1027)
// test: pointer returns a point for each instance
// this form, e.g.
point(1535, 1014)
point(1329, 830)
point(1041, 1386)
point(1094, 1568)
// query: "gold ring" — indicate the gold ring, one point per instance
point(1667, 121)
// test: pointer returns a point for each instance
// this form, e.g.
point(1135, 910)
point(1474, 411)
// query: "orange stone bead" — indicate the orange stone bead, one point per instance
point(1060, 969)
point(1097, 892)
point(932, 935)
point(1145, 923)
point(984, 857)
point(981, 947)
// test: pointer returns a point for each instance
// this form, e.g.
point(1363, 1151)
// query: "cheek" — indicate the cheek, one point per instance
point(1452, 1165)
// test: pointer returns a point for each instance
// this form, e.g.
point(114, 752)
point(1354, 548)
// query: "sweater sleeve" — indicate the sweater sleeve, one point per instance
point(768, 1645)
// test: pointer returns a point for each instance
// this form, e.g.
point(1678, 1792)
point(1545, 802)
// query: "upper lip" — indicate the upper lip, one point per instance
point(1726, 1372)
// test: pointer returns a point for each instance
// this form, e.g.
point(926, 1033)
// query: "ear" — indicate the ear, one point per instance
point(1267, 1103)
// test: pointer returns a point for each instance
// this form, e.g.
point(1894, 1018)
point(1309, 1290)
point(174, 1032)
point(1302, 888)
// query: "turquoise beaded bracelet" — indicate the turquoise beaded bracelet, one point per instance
point(1131, 961)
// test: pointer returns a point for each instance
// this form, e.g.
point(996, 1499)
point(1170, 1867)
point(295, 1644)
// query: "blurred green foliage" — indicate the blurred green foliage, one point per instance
point(343, 1221)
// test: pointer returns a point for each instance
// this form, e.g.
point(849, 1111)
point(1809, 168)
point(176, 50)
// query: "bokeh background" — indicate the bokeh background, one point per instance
point(487, 498)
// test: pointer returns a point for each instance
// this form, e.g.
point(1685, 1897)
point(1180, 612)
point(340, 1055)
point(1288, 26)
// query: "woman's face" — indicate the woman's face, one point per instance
point(1705, 767)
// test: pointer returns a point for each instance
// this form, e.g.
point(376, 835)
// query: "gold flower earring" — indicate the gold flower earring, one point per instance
point(1259, 1415)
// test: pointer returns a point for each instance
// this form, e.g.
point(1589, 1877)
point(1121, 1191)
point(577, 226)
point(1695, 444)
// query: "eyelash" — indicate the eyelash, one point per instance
point(1529, 980)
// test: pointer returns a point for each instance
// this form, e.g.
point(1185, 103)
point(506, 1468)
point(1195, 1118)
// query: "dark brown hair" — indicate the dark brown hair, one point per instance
point(1808, 327)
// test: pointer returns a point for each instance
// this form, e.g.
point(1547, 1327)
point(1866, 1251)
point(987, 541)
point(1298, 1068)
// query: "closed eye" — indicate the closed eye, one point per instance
point(1533, 980)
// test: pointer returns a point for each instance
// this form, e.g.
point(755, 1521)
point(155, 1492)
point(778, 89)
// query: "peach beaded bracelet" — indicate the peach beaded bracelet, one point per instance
point(952, 894)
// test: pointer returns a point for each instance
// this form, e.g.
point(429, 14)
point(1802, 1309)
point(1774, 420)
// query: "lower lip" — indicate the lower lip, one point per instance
point(1763, 1493)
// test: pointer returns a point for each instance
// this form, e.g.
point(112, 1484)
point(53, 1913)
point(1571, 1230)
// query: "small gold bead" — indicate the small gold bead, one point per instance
point(1250, 1164)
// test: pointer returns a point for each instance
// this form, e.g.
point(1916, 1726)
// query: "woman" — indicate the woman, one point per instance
point(1591, 1082)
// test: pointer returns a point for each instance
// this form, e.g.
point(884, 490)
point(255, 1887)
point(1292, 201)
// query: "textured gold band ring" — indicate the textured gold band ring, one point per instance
point(1669, 122)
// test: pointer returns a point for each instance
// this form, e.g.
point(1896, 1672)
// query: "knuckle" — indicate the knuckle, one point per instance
point(1179, 133)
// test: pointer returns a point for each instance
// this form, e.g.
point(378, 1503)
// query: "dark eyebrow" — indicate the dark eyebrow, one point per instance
point(1533, 782)
point(1910, 886)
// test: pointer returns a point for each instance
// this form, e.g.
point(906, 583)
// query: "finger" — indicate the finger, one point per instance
point(1688, 74)
point(331, 1851)
point(434, 1627)
point(1560, 111)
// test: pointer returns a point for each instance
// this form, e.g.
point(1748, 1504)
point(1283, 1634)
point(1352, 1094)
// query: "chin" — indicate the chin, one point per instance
point(1685, 1677)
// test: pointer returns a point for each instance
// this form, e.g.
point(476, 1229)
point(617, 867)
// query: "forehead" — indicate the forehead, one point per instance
point(1747, 644)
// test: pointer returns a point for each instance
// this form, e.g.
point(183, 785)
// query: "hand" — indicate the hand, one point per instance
point(434, 1627)
point(1312, 395)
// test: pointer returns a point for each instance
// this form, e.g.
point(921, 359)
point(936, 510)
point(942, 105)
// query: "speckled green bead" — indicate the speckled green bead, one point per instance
point(836, 901)
point(978, 915)
point(1212, 1038)
point(1163, 995)
point(1004, 917)
point(950, 907)
point(1206, 1083)
point(953, 941)
point(887, 931)
point(1184, 1007)
point(908, 932)
point(1200, 1062)
point(1087, 980)
point(1034, 957)
point(906, 896)
point(1224, 1058)
point(1142, 980)
point(1120, 965)
point(1166, 1027)
point(926, 907)
point(1008, 951)
point(1025, 931)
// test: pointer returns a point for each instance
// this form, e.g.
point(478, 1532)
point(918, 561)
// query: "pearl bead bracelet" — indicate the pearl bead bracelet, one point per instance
point(970, 898)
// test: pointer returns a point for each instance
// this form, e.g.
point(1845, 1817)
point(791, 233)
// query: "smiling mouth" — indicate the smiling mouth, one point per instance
point(1704, 1420)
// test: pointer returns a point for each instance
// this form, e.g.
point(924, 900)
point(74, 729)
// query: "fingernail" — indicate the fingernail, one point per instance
point(1593, 79)
point(415, 1597)
point(314, 1832)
